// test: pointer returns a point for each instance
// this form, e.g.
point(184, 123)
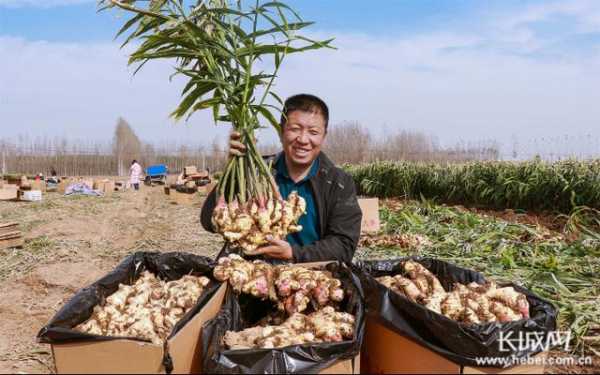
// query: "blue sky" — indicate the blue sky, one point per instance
point(461, 70)
point(57, 23)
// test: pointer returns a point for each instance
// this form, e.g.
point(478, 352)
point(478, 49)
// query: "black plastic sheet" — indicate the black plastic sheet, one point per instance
point(167, 266)
point(460, 343)
point(241, 312)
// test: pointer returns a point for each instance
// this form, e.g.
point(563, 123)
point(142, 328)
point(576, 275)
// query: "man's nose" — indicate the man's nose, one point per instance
point(302, 138)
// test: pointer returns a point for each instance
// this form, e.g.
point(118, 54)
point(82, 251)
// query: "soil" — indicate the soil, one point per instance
point(71, 242)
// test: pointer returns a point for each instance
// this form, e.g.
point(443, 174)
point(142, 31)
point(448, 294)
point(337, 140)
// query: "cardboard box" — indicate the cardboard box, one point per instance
point(349, 366)
point(9, 192)
point(190, 170)
point(129, 356)
point(62, 185)
point(386, 352)
point(31, 195)
point(107, 187)
point(370, 214)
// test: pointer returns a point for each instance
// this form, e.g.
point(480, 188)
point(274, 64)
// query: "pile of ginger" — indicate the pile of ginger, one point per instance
point(148, 309)
point(294, 289)
point(250, 225)
point(325, 325)
point(470, 304)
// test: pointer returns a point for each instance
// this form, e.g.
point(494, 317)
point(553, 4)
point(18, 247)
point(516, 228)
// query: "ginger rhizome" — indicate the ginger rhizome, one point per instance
point(292, 287)
point(325, 325)
point(148, 309)
point(470, 304)
point(248, 224)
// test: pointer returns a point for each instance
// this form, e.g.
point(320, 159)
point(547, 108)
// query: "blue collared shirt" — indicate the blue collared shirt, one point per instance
point(310, 220)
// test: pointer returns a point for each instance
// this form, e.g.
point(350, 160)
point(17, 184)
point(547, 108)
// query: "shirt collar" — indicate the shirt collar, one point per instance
point(281, 168)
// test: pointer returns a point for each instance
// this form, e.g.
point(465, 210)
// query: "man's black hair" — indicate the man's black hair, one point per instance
point(304, 103)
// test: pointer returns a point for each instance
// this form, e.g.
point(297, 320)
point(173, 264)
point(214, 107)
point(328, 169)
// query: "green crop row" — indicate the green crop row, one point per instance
point(532, 185)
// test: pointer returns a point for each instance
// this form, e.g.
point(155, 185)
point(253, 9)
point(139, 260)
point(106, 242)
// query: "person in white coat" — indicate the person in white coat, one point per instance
point(135, 173)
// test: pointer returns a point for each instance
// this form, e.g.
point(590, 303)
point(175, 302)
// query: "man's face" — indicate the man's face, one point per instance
point(303, 135)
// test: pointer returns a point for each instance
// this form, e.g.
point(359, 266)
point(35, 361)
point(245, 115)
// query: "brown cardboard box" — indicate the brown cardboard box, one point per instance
point(349, 366)
point(128, 356)
point(370, 214)
point(107, 187)
point(62, 185)
point(190, 170)
point(9, 192)
point(386, 352)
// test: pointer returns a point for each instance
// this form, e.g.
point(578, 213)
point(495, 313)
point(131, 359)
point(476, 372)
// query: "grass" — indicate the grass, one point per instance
point(562, 187)
point(565, 272)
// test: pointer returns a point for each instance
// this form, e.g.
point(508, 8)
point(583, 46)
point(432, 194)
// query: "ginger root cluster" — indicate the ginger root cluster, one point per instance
point(148, 309)
point(248, 225)
point(292, 287)
point(325, 325)
point(471, 304)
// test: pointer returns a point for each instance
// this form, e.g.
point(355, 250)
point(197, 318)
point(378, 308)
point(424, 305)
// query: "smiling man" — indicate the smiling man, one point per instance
point(331, 225)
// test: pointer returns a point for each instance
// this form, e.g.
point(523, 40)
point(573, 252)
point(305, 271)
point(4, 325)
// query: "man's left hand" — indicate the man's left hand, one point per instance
point(277, 249)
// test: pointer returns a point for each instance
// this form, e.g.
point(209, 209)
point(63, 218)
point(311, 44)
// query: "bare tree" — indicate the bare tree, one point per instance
point(348, 143)
point(126, 145)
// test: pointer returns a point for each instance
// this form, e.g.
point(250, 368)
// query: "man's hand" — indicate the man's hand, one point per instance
point(236, 148)
point(277, 249)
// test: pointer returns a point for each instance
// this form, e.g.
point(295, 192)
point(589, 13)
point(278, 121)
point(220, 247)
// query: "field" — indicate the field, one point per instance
point(72, 241)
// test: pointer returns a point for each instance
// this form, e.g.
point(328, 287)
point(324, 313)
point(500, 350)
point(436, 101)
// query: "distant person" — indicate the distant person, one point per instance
point(135, 173)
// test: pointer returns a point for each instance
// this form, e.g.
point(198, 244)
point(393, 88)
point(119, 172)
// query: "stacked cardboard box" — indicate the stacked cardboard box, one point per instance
point(107, 187)
point(9, 192)
point(10, 235)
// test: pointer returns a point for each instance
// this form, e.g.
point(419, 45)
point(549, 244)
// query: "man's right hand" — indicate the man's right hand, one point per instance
point(236, 148)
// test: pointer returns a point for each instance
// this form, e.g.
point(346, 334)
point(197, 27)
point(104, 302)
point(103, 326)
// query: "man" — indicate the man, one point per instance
point(331, 225)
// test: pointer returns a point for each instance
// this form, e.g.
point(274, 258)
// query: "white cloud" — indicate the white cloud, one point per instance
point(40, 3)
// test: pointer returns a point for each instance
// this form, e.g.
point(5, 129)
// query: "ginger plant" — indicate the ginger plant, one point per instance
point(221, 47)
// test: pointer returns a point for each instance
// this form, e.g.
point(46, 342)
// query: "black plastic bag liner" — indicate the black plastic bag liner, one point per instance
point(243, 311)
point(167, 266)
point(460, 343)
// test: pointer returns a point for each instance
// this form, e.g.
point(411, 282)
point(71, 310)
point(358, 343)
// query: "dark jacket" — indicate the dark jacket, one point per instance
point(338, 212)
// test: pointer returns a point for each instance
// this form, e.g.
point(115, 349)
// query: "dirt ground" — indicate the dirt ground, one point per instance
point(69, 243)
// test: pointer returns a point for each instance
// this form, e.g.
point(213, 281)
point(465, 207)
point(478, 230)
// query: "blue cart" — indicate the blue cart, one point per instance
point(156, 174)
